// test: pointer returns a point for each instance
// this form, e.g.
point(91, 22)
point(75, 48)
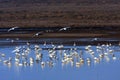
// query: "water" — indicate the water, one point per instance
point(103, 70)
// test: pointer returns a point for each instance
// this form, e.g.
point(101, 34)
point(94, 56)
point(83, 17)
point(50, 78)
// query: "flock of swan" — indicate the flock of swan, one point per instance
point(52, 54)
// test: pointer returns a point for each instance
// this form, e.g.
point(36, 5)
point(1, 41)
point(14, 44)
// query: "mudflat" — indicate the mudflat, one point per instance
point(59, 15)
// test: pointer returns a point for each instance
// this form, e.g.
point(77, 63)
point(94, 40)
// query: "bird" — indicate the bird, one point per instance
point(63, 62)
point(114, 57)
point(16, 50)
point(88, 61)
point(81, 60)
point(31, 60)
point(39, 57)
point(13, 28)
point(60, 46)
point(38, 33)
point(94, 39)
point(24, 56)
point(101, 56)
point(20, 64)
point(8, 62)
point(24, 63)
point(45, 43)
point(88, 47)
point(3, 55)
point(96, 60)
point(92, 53)
point(37, 47)
point(111, 51)
point(64, 28)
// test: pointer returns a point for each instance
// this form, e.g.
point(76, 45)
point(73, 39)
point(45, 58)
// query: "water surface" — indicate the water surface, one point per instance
point(103, 70)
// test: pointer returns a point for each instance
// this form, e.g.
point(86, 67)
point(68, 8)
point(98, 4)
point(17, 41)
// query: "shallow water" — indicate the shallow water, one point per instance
point(106, 69)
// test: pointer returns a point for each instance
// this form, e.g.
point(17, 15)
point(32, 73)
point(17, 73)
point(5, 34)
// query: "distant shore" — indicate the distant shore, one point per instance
point(37, 15)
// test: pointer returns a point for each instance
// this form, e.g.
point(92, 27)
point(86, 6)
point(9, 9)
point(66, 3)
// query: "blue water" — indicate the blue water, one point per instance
point(99, 71)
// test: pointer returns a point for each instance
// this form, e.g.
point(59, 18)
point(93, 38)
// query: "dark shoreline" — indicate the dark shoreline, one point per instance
point(53, 32)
